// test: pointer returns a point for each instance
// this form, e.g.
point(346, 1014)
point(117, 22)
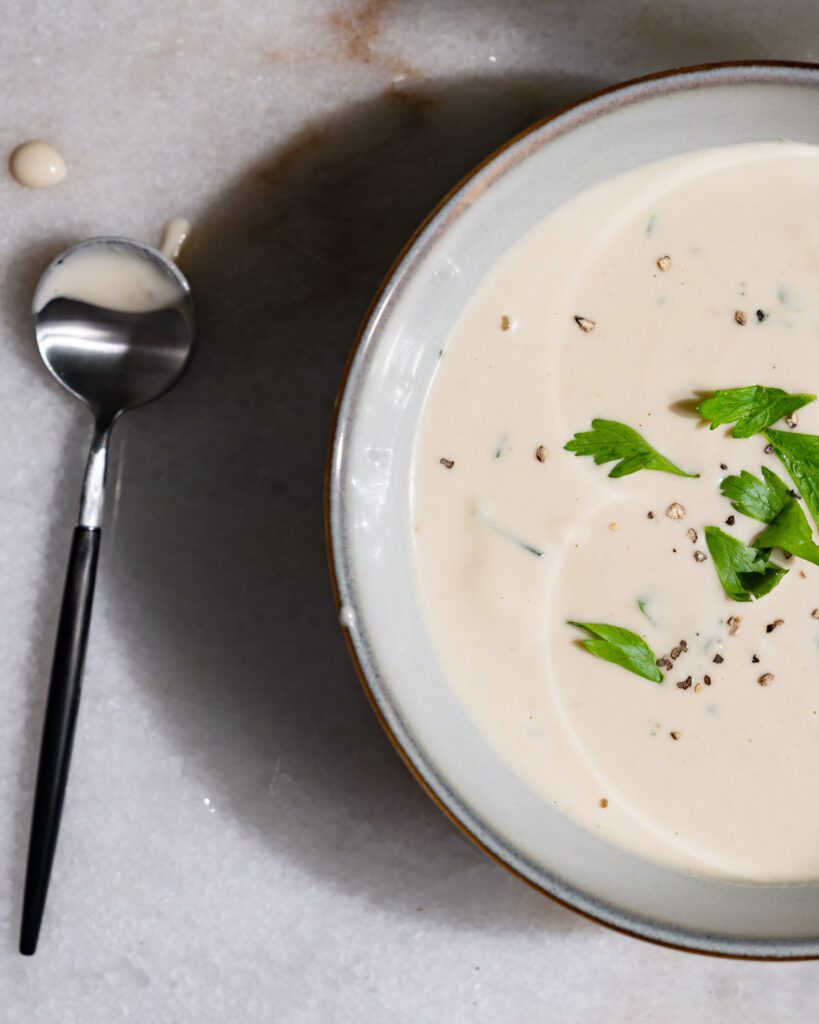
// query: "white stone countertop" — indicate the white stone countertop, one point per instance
point(240, 842)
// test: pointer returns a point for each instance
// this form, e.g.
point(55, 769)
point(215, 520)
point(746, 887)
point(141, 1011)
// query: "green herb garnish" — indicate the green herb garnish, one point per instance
point(790, 532)
point(643, 606)
point(760, 499)
point(501, 531)
point(799, 453)
point(523, 544)
point(770, 501)
point(609, 440)
point(751, 409)
point(744, 572)
point(621, 647)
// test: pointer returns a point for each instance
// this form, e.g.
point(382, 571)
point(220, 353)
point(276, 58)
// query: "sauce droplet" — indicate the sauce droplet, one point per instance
point(37, 164)
point(173, 237)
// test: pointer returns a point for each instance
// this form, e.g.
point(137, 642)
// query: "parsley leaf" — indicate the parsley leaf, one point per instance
point(743, 572)
point(609, 440)
point(643, 606)
point(752, 409)
point(621, 647)
point(799, 453)
point(790, 532)
point(760, 499)
point(770, 501)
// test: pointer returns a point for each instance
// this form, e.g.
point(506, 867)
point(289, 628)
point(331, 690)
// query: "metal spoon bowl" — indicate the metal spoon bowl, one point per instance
point(111, 358)
point(115, 326)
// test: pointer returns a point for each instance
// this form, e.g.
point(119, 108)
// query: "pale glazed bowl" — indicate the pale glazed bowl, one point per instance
point(369, 488)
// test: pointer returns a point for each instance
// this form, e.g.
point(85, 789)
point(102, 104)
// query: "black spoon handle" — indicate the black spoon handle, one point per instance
point(58, 728)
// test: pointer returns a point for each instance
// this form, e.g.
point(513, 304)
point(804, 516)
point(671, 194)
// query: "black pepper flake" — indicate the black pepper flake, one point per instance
point(768, 449)
point(449, 463)
point(754, 660)
point(722, 465)
point(649, 515)
point(707, 680)
point(761, 315)
point(685, 684)
point(793, 494)
point(718, 659)
point(774, 625)
point(730, 520)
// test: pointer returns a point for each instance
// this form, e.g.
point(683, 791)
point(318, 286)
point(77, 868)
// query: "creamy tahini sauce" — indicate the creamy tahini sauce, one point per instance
point(114, 278)
point(174, 237)
point(37, 164)
point(735, 793)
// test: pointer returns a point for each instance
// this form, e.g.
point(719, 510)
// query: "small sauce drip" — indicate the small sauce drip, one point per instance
point(37, 164)
point(174, 236)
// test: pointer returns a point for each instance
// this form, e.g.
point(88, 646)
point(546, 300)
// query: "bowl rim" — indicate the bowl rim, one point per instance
point(587, 108)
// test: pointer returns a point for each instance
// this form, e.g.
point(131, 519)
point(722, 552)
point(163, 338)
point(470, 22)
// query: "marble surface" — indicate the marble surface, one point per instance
point(240, 842)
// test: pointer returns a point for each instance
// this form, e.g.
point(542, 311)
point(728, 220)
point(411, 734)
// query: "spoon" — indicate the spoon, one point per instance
point(114, 324)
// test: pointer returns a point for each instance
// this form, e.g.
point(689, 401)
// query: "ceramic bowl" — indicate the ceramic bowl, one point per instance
point(369, 487)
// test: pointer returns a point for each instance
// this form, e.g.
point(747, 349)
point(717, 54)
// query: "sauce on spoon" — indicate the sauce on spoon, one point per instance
point(111, 277)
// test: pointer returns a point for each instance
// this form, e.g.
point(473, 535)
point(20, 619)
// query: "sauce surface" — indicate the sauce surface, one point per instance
point(517, 536)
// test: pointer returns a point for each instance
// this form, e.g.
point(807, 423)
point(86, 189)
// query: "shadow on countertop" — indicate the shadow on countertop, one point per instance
point(219, 546)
